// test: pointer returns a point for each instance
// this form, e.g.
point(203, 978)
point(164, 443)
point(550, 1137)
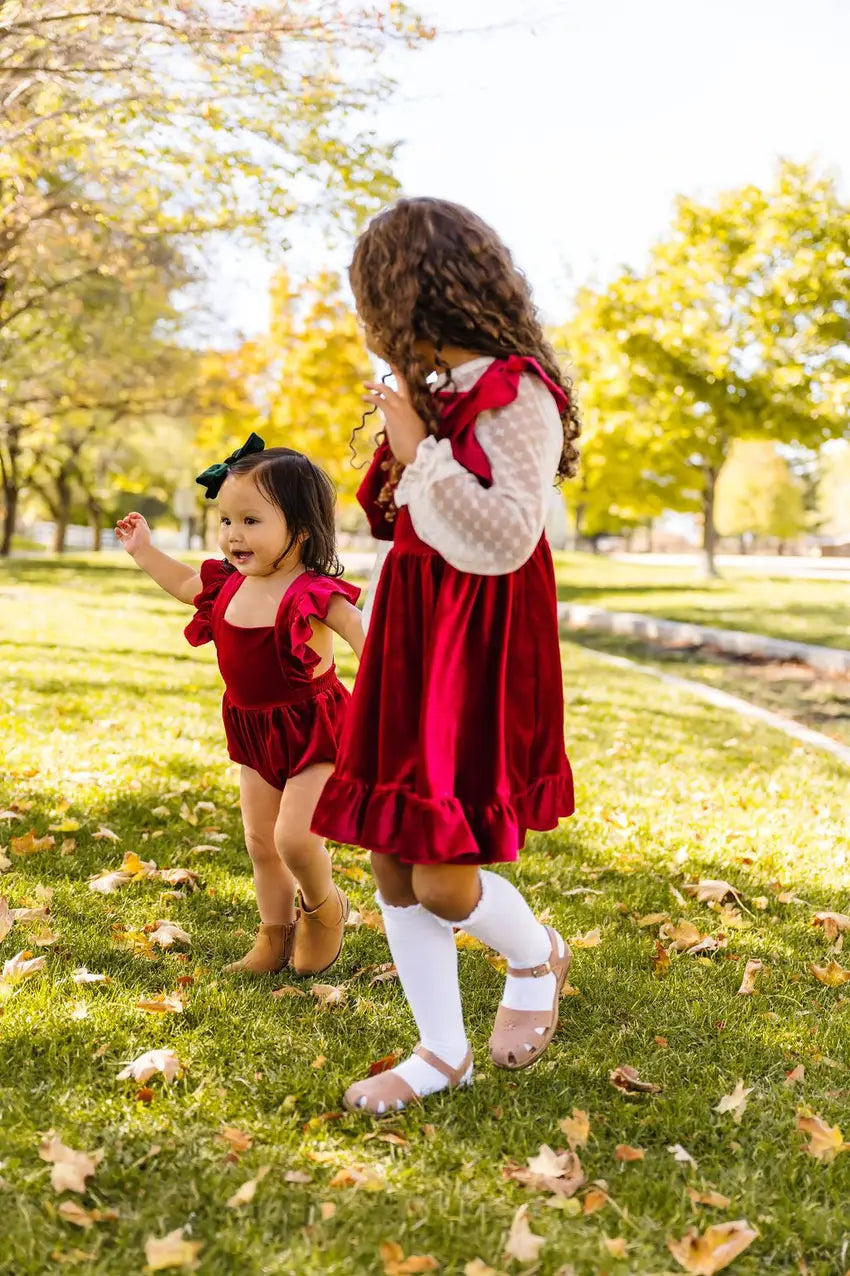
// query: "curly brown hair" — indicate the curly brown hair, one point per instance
point(430, 270)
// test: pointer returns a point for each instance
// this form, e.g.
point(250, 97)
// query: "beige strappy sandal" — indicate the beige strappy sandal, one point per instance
point(515, 1030)
point(388, 1092)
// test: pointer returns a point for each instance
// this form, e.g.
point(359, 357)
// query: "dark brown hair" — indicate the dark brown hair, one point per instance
point(430, 270)
point(306, 497)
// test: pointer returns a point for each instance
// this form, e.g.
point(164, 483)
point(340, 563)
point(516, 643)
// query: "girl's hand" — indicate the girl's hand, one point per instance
point(133, 533)
point(405, 428)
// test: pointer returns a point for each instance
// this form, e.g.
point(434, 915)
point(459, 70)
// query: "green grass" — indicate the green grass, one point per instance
point(818, 701)
point(106, 714)
point(811, 611)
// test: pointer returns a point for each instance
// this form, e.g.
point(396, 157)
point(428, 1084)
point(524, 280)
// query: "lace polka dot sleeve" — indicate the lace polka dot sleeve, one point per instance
point(489, 531)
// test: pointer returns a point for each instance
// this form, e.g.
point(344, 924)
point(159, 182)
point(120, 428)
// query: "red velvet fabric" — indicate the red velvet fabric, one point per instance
point(278, 718)
point(454, 741)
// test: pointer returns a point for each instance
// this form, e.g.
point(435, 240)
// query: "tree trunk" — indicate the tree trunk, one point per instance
point(61, 511)
point(95, 525)
point(10, 514)
point(709, 533)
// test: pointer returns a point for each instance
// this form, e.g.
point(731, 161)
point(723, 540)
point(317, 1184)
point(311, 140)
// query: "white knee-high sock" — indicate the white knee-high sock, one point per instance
point(425, 956)
point(503, 920)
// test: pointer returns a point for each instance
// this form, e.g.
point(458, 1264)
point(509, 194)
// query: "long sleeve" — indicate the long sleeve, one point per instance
point(489, 531)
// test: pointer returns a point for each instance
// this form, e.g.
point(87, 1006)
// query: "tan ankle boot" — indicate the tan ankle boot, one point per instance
point(271, 951)
point(318, 940)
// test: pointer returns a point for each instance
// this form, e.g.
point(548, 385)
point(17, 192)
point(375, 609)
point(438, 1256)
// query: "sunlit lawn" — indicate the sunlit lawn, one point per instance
point(109, 720)
point(803, 610)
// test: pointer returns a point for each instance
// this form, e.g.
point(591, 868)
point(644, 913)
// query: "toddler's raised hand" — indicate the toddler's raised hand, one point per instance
point(133, 532)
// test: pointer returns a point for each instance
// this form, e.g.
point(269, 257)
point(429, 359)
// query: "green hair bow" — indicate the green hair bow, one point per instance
point(214, 475)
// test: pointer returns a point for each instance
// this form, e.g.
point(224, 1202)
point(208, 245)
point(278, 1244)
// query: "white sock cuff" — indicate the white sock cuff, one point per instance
point(408, 911)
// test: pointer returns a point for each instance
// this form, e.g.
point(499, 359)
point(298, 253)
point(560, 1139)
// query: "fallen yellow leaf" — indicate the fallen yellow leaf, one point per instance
point(661, 964)
point(825, 1141)
point(652, 919)
point(70, 1168)
point(395, 1263)
point(712, 1198)
point(832, 974)
point(625, 1153)
point(735, 1102)
point(523, 1244)
point(833, 923)
point(595, 1200)
point(245, 1194)
point(710, 890)
point(328, 994)
point(616, 1246)
point(166, 933)
point(140, 1069)
point(719, 1245)
point(29, 843)
point(237, 1140)
point(22, 966)
point(163, 1004)
point(748, 983)
point(576, 1128)
point(797, 1074)
point(172, 1251)
point(550, 1164)
point(592, 939)
point(327, 1210)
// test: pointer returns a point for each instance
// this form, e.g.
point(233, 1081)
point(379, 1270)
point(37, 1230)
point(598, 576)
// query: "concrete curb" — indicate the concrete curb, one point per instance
point(723, 700)
point(830, 660)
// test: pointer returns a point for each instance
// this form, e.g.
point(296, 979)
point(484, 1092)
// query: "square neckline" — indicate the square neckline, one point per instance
point(260, 628)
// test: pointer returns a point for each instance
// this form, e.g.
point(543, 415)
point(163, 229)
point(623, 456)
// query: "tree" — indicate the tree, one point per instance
point(758, 494)
point(737, 329)
point(833, 493)
point(318, 363)
point(128, 128)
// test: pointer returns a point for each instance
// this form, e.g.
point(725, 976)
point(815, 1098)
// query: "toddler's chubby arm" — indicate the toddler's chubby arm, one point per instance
point(176, 578)
point(345, 619)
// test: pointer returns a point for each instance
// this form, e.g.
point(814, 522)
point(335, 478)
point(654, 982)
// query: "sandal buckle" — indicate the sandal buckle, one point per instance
point(539, 971)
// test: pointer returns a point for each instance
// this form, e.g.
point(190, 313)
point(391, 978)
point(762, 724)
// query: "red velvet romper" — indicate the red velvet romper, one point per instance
point(454, 742)
point(278, 719)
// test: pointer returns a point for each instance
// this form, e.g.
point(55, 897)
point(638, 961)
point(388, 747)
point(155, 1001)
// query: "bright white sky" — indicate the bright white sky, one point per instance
point(572, 124)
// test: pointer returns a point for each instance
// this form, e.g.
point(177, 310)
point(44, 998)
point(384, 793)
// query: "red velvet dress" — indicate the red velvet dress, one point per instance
point(278, 718)
point(454, 743)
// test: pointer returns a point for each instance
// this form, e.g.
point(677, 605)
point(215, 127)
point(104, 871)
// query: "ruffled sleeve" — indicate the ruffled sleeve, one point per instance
point(214, 573)
point(312, 601)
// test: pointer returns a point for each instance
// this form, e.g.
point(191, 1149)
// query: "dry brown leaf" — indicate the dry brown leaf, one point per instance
point(144, 1067)
point(712, 1198)
point(237, 1140)
point(5, 862)
point(652, 919)
point(74, 1213)
point(109, 882)
point(591, 939)
point(479, 1268)
point(522, 1244)
point(70, 1168)
point(23, 916)
point(761, 902)
point(395, 1263)
point(710, 890)
point(289, 990)
point(83, 976)
point(297, 1176)
point(719, 1245)
point(30, 842)
point(576, 1128)
point(172, 1251)
point(797, 1074)
point(22, 966)
point(328, 994)
point(550, 1164)
point(105, 834)
point(661, 964)
point(595, 1200)
point(833, 924)
point(7, 920)
point(681, 1154)
point(245, 1194)
point(166, 933)
point(383, 1065)
point(616, 1246)
point(682, 937)
point(734, 1102)
point(318, 1062)
point(831, 974)
point(625, 1153)
point(365, 1177)
point(626, 1080)
point(327, 1210)
point(748, 983)
point(162, 1004)
point(825, 1141)
point(181, 877)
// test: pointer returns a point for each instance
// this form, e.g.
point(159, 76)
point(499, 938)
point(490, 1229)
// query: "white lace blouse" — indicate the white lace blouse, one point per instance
point(488, 531)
